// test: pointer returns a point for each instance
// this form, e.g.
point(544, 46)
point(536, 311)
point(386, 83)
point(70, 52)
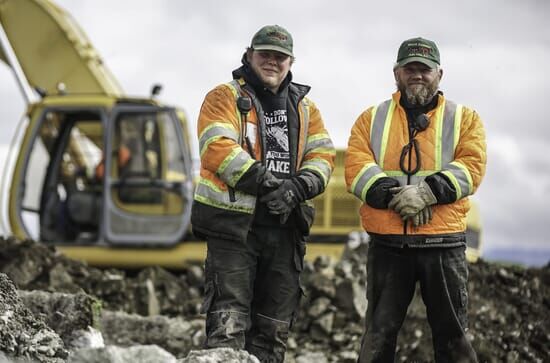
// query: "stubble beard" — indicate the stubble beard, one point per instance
point(419, 94)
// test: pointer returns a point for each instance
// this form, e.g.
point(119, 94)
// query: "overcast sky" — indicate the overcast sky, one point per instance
point(494, 54)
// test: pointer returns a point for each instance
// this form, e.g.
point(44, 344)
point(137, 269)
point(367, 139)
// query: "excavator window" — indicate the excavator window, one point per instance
point(61, 195)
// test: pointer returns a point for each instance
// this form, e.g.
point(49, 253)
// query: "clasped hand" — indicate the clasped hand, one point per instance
point(413, 202)
point(282, 200)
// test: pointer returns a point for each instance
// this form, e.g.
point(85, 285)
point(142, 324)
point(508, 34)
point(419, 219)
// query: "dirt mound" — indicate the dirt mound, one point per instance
point(509, 307)
point(22, 334)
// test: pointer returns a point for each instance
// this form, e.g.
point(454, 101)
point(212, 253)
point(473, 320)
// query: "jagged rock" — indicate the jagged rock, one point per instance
point(321, 285)
point(24, 261)
point(195, 276)
point(350, 297)
point(321, 263)
point(87, 338)
point(113, 354)
point(321, 328)
point(22, 335)
point(318, 307)
point(175, 335)
point(309, 357)
point(218, 355)
point(66, 314)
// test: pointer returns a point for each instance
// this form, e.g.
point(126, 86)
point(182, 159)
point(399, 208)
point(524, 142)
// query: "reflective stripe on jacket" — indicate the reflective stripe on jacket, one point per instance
point(224, 158)
point(453, 144)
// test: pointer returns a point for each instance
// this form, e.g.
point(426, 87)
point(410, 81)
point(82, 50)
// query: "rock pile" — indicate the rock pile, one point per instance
point(154, 310)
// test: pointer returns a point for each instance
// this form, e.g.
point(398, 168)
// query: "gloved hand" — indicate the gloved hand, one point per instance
point(411, 199)
point(268, 183)
point(422, 217)
point(283, 199)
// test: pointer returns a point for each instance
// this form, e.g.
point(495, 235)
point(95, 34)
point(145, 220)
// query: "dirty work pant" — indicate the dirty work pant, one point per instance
point(392, 274)
point(252, 291)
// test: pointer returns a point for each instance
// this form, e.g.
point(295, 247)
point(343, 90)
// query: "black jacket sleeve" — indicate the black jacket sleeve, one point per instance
point(379, 194)
point(310, 182)
point(251, 181)
point(444, 191)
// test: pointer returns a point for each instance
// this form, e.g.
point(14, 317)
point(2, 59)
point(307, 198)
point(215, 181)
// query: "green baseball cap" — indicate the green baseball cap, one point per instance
point(273, 37)
point(418, 50)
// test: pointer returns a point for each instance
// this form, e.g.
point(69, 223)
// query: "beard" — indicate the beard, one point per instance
point(419, 94)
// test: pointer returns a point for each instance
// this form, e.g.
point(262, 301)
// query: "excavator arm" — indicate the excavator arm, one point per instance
point(51, 49)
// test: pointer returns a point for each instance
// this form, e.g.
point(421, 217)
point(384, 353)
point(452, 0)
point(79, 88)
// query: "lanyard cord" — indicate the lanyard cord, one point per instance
point(407, 150)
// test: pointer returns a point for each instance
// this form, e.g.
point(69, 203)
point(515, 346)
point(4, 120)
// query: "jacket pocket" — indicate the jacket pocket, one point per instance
point(209, 291)
point(299, 254)
point(210, 287)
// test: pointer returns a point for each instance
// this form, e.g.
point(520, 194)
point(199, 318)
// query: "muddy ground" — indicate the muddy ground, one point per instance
point(48, 304)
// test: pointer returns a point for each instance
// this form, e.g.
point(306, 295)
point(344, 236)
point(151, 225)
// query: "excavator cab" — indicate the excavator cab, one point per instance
point(115, 175)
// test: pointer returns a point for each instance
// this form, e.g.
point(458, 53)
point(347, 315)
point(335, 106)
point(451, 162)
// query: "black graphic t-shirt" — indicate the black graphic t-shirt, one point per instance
point(277, 156)
point(275, 128)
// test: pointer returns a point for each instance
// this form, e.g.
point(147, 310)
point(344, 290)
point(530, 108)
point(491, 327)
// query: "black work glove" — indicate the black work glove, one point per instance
point(285, 198)
point(268, 183)
point(257, 180)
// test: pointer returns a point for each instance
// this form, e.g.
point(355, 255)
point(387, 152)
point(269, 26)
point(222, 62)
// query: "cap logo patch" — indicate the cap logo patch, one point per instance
point(419, 50)
point(277, 35)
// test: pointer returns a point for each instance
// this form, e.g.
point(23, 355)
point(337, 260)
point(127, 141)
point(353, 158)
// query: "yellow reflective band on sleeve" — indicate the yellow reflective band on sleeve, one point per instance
point(321, 166)
point(454, 182)
point(466, 172)
point(369, 184)
point(316, 137)
point(460, 177)
point(216, 131)
point(234, 166)
point(364, 180)
point(324, 146)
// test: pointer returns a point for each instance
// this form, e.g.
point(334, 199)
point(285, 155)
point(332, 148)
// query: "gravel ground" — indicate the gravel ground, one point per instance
point(509, 310)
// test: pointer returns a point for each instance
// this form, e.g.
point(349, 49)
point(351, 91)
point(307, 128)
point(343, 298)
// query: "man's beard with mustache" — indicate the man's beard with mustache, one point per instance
point(419, 94)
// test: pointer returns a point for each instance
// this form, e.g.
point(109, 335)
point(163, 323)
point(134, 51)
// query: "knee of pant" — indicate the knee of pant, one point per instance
point(226, 328)
point(231, 291)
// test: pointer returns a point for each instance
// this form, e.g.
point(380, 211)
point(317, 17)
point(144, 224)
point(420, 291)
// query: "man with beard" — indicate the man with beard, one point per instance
point(413, 161)
point(264, 152)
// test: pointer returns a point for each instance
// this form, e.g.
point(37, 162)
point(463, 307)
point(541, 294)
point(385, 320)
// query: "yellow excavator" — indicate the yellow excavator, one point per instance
point(108, 178)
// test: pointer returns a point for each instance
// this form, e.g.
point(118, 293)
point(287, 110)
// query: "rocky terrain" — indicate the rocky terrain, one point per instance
point(53, 309)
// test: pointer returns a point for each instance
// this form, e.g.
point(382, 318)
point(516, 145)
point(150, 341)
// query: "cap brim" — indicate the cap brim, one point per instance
point(422, 60)
point(272, 47)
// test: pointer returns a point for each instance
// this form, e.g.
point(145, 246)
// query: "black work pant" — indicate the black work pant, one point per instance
point(392, 274)
point(252, 291)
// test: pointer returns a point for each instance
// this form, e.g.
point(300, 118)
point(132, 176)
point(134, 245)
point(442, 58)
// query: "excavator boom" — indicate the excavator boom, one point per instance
point(52, 49)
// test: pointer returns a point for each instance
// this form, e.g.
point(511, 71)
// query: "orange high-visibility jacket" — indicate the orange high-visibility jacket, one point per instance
point(453, 144)
point(219, 209)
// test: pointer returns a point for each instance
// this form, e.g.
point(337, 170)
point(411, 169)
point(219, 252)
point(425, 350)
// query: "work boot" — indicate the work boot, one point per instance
point(267, 339)
point(225, 329)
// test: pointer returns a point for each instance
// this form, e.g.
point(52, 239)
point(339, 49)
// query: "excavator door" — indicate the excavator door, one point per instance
point(148, 186)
